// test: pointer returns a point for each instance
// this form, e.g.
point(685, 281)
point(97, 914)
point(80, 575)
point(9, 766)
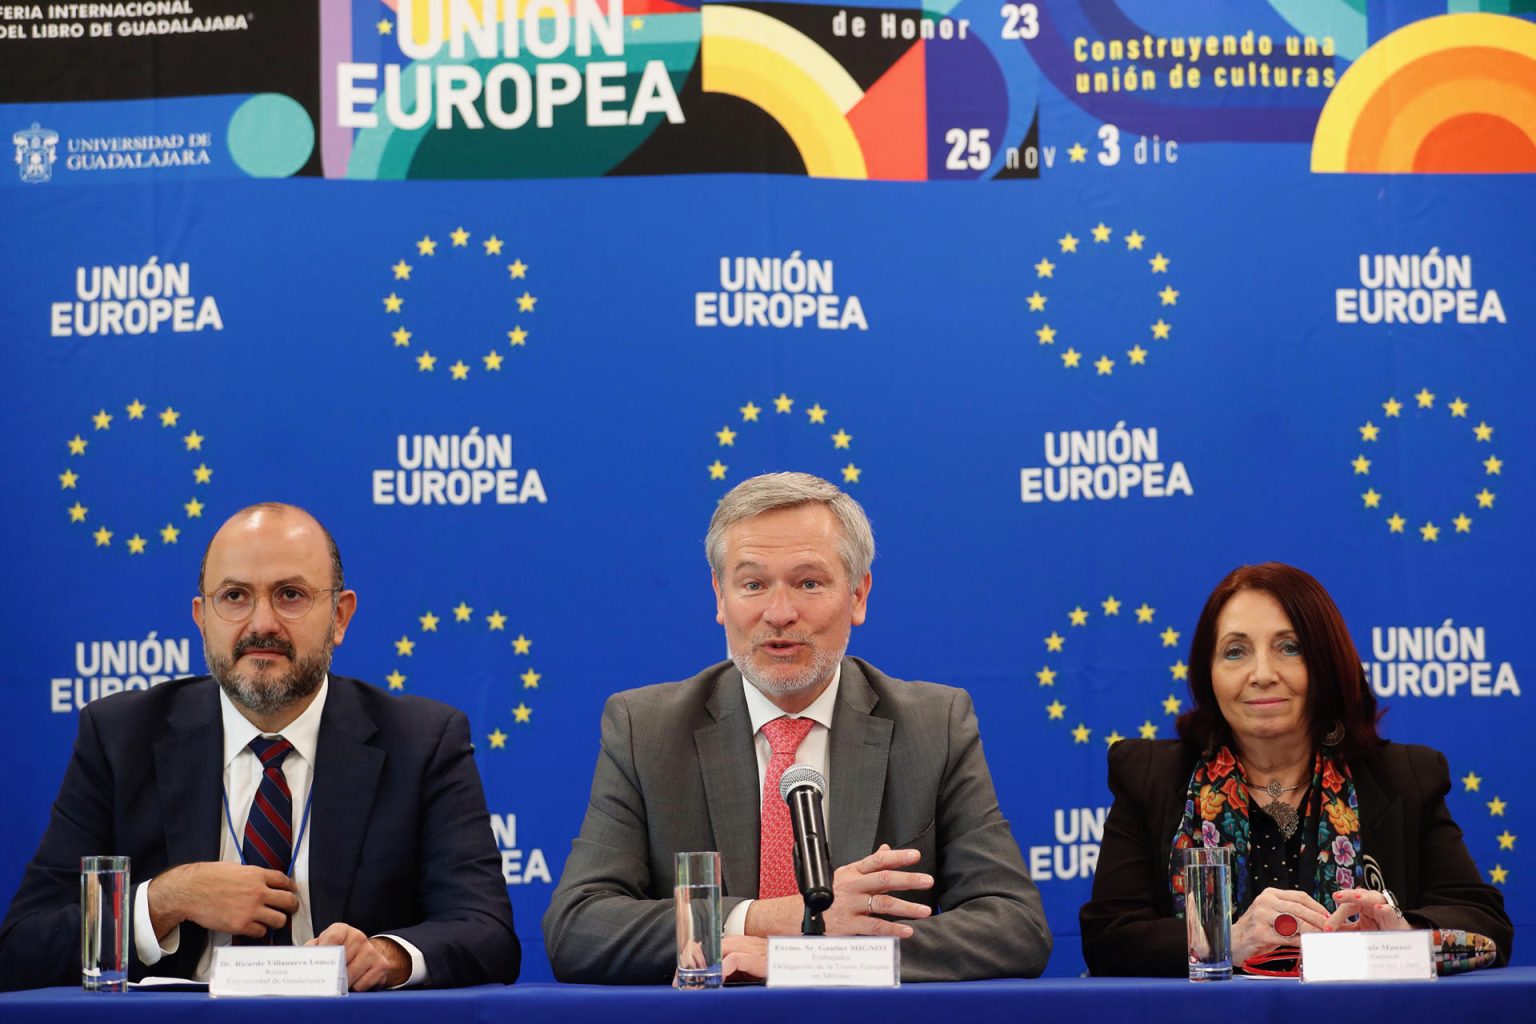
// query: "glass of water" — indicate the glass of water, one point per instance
point(104, 924)
point(1208, 912)
point(699, 924)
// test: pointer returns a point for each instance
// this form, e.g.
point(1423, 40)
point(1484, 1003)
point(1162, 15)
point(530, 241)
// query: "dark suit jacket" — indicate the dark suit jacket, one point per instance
point(677, 771)
point(400, 841)
point(1129, 927)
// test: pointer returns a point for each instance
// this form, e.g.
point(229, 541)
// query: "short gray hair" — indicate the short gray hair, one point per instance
point(773, 491)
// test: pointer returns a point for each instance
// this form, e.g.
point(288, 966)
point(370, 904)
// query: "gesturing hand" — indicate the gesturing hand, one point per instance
point(235, 898)
point(1364, 910)
point(862, 890)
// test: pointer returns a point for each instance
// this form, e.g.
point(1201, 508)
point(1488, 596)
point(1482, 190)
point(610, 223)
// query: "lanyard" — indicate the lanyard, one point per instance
point(297, 839)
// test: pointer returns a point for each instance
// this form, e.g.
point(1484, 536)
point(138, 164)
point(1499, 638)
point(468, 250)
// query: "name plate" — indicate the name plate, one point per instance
point(1367, 956)
point(833, 961)
point(278, 971)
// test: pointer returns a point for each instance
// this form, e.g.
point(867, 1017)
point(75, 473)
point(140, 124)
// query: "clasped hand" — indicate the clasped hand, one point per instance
point(1358, 910)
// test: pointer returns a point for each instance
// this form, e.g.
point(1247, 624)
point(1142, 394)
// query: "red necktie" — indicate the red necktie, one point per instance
point(776, 866)
point(269, 826)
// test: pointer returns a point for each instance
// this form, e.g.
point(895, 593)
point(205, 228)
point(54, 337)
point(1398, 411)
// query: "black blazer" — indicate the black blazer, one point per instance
point(1128, 925)
point(400, 841)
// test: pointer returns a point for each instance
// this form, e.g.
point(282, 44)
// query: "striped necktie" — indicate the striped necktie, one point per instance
point(269, 826)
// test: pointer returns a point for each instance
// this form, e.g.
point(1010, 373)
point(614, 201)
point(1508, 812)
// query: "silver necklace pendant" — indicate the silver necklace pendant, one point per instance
point(1274, 789)
point(1283, 814)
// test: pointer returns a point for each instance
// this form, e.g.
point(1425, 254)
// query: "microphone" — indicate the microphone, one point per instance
point(802, 787)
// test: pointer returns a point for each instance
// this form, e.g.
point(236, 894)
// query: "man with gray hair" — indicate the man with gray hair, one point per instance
point(912, 817)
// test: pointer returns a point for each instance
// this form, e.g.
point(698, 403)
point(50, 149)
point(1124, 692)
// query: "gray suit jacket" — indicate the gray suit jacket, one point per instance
point(677, 771)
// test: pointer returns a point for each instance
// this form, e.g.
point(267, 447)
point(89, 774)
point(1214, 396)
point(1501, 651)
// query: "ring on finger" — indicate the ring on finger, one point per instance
point(1285, 925)
point(869, 907)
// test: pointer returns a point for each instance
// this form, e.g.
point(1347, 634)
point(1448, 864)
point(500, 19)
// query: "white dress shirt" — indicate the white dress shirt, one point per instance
point(812, 751)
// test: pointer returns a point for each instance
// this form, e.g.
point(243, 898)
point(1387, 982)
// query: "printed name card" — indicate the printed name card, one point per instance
point(1367, 956)
point(278, 971)
point(827, 961)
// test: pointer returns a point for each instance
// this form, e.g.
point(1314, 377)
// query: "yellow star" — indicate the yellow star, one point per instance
point(1105, 366)
point(1362, 465)
point(1055, 642)
point(135, 409)
point(1110, 605)
point(402, 337)
point(460, 370)
point(1047, 676)
point(717, 470)
point(460, 237)
point(1171, 705)
point(1148, 730)
point(77, 512)
point(193, 441)
point(522, 645)
point(385, 26)
point(103, 537)
point(1036, 302)
point(1101, 232)
point(727, 436)
point(1484, 498)
point(1496, 807)
point(1138, 356)
point(492, 360)
point(1071, 358)
point(1160, 329)
point(525, 303)
point(392, 303)
point(1081, 733)
point(1056, 709)
point(750, 411)
point(1159, 264)
point(169, 534)
point(530, 679)
point(498, 739)
point(103, 420)
point(817, 414)
point(1472, 781)
point(1077, 153)
point(404, 646)
point(1458, 407)
point(68, 479)
point(169, 416)
point(1506, 840)
point(841, 439)
point(1170, 637)
point(194, 509)
point(202, 474)
point(1396, 523)
point(851, 473)
point(77, 445)
point(517, 336)
point(783, 403)
point(492, 246)
point(1134, 239)
point(426, 246)
point(1371, 498)
point(636, 24)
point(522, 713)
point(395, 680)
point(1068, 242)
point(1369, 432)
point(1046, 334)
point(1392, 407)
point(1425, 399)
point(1430, 532)
point(1113, 738)
point(1483, 432)
point(1145, 612)
point(1463, 523)
point(426, 362)
point(402, 271)
point(1169, 295)
point(1044, 268)
point(136, 545)
point(1493, 465)
point(1078, 616)
point(462, 612)
point(496, 621)
point(518, 269)
point(1178, 669)
point(429, 622)
point(1498, 874)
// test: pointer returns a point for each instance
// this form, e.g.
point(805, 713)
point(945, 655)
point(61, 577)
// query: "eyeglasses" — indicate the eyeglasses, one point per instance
point(236, 603)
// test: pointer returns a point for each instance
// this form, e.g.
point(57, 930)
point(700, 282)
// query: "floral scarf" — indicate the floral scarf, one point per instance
point(1216, 814)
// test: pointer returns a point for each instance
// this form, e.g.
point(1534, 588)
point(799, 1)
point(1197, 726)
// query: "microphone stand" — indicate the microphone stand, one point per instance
point(811, 923)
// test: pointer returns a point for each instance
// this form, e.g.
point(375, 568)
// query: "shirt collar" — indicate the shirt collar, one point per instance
point(764, 710)
point(303, 732)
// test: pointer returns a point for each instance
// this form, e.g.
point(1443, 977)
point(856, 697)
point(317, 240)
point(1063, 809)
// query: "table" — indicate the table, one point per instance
point(1508, 994)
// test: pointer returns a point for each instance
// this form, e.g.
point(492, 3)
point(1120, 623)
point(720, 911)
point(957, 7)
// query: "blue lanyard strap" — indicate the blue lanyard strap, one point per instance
point(298, 839)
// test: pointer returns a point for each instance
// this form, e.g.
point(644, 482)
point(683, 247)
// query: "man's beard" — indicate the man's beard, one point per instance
point(823, 664)
point(269, 693)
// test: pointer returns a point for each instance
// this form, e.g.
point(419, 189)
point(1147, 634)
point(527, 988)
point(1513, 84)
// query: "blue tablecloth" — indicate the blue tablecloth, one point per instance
point(1484, 997)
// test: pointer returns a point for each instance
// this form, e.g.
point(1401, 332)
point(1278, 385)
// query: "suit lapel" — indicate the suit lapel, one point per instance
point(858, 756)
point(347, 770)
point(728, 765)
point(1381, 822)
point(189, 771)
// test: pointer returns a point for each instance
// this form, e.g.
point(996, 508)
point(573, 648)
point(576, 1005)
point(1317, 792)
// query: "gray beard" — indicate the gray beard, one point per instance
point(270, 693)
point(819, 671)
